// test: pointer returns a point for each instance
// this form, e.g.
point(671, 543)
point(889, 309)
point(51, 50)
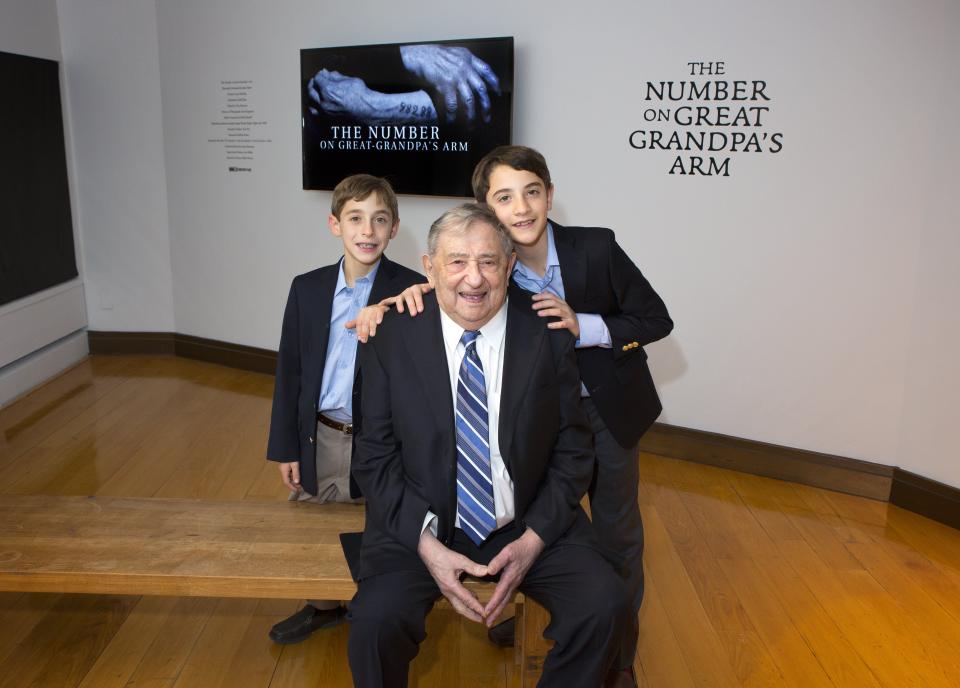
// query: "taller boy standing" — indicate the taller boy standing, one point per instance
point(311, 431)
point(583, 278)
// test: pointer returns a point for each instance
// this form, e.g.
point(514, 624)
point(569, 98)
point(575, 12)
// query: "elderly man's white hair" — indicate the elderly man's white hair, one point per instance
point(461, 218)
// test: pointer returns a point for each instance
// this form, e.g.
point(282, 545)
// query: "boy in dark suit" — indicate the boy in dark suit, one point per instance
point(311, 426)
point(583, 279)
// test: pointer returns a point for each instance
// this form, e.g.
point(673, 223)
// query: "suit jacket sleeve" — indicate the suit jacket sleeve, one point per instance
point(392, 502)
point(570, 466)
point(284, 441)
point(642, 316)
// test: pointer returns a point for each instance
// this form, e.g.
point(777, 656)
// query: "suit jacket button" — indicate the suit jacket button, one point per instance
point(310, 439)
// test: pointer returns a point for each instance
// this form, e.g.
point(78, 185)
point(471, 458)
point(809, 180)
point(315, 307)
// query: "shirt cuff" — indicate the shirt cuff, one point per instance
point(429, 521)
point(593, 331)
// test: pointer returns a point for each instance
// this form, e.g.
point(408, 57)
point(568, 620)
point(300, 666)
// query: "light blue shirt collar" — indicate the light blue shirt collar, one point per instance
point(552, 279)
point(342, 278)
point(552, 259)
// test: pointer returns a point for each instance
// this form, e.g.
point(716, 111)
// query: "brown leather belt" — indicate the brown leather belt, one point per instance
point(345, 428)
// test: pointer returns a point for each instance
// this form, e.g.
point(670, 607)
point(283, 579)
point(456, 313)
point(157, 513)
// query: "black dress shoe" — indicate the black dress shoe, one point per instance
point(299, 626)
point(504, 633)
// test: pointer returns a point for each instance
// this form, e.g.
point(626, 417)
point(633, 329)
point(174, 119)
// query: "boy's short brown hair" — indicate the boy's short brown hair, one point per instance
point(518, 157)
point(357, 187)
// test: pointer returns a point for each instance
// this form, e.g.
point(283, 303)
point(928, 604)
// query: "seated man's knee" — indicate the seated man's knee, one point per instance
point(384, 636)
point(388, 614)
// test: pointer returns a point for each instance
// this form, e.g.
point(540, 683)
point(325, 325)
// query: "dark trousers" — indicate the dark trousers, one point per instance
point(577, 586)
point(616, 517)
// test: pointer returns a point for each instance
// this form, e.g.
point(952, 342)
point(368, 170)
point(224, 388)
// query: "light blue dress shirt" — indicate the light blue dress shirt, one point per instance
point(593, 331)
point(336, 390)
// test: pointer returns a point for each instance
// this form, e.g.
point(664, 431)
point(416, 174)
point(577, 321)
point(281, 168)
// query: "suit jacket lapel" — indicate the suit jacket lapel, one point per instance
point(381, 288)
point(382, 284)
point(573, 266)
point(524, 337)
point(427, 355)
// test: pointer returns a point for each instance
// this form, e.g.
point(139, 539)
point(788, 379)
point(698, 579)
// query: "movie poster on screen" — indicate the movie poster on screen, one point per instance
point(420, 114)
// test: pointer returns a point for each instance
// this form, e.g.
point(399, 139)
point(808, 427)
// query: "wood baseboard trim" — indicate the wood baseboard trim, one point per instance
point(841, 474)
point(109, 343)
point(926, 497)
point(226, 354)
point(837, 473)
point(175, 344)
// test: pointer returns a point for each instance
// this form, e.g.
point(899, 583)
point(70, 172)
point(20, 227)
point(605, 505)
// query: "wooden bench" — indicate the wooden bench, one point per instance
point(177, 547)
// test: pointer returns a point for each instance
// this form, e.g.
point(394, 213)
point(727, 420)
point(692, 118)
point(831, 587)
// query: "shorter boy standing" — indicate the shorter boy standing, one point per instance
point(311, 426)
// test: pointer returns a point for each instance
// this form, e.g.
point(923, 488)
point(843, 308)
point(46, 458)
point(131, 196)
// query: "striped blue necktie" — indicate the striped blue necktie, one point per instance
point(474, 484)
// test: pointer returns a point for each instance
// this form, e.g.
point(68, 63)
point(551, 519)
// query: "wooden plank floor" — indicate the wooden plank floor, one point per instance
point(750, 581)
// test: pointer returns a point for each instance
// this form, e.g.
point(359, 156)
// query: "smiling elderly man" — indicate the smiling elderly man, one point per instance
point(473, 455)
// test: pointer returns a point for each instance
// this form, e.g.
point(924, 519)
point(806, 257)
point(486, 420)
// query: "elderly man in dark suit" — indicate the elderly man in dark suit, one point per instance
point(473, 454)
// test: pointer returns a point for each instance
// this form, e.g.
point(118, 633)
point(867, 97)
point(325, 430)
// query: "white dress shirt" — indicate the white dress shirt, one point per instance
point(490, 346)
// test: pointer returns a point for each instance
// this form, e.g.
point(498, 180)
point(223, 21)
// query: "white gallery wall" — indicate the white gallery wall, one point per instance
point(41, 334)
point(814, 289)
point(112, 67)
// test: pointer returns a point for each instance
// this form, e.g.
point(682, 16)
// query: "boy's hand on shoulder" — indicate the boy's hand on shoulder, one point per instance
point(550, 305)
point(371, 316)
point(367, 320)
point(290, 475)
point(411, 297)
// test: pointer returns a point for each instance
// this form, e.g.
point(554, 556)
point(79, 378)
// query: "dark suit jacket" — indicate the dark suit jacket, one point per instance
point(301, 358)
point(405, 459)
point(598, 277)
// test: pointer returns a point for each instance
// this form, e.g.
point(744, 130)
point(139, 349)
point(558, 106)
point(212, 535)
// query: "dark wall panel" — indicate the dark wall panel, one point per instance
point(36, 232)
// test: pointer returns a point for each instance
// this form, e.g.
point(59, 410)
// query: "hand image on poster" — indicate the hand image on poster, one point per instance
point(458, 78)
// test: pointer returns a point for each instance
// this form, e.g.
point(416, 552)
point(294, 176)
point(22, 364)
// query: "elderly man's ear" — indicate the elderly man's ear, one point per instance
point(428, 270)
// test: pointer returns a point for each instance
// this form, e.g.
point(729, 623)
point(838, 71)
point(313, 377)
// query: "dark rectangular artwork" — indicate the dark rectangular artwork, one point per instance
point(420, 114)
point(36, 231)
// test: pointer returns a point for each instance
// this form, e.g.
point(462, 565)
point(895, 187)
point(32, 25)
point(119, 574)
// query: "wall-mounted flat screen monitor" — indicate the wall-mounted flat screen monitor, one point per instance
point(36, 230)
point(420, 114)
